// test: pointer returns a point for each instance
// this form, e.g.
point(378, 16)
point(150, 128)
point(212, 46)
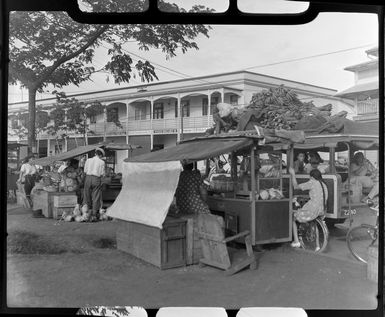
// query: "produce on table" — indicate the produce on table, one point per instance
point(275, 194)
point(264, 194)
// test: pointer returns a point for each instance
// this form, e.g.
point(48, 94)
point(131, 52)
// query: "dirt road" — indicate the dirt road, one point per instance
point(91, 271)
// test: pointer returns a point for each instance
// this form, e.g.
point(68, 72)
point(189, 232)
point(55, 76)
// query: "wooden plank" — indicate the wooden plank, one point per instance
point(144, 243)
point(190, 241)
point(236, 267)
point(213, 263)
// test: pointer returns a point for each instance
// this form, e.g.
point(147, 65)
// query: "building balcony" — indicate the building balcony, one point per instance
point(367, 107)
point(137, 127)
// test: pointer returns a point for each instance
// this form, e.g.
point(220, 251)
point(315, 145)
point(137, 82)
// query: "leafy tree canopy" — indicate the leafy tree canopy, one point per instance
point(49, 48)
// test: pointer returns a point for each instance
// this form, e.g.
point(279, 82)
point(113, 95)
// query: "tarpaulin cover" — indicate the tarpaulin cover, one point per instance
point(147, 192)
point(194, 151)
point(80, 150)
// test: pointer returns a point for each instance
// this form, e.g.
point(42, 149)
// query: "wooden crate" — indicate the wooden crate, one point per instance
point(67, 200)
point(193, 244)
point(45, 201)
point(57, 212)
point(164, 248)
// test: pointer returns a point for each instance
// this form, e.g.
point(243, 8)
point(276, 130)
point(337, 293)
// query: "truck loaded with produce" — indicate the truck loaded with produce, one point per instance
point(273, 108)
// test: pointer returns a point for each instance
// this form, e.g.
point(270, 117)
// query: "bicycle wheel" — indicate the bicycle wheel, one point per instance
point(313, 235)
point(359, 239)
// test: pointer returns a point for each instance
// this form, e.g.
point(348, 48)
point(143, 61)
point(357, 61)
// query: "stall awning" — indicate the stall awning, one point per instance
point(147, 192)
point(194, 151)
point(323, 143)
point(83, 150)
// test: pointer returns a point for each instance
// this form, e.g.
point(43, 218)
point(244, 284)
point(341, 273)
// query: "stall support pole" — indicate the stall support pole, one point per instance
point(253, 187)
point(332, 160)
point(351, 152)
point(290, 163)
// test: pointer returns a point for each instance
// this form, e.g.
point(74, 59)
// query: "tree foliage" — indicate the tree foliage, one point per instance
point(49, 49)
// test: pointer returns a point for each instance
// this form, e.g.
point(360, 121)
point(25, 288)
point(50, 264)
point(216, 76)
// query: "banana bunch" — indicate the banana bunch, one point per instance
point(281, 108)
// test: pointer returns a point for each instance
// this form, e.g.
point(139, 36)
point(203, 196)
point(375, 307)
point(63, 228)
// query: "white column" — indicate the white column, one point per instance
point(38, 144)
point(105, 124)
point(86, 126)
point(151, 119)
point(151, 111)
point(179, 120)
point(65, 139)
point(127, 133)
point(208, 107)
point(49, 145)
point(223, 95)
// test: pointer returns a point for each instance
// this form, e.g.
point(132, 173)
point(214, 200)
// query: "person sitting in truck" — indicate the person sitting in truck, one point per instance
point(300, 163)
point(364, 175)
point(316, 206)
point(315, 162)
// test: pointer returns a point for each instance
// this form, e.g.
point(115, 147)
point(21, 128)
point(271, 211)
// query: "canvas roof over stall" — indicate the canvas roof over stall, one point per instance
point(83, 150)
point(156, 174)
point(201, 148)
point(359, 135)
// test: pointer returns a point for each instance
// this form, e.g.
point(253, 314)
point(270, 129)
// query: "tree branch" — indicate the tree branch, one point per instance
point(66, 58)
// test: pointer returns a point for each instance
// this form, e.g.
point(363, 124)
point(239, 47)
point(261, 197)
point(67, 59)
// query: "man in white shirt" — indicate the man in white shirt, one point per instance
point(27, 176)
point(94, 169)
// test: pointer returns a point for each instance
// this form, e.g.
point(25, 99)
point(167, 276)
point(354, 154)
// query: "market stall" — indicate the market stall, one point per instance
point(150, 180)
point(61, 191)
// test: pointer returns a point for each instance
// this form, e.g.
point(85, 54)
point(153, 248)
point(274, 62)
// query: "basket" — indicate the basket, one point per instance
point(222, 186)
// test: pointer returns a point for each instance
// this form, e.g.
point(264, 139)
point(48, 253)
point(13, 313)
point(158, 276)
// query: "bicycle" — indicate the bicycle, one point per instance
point(312, 235)
point(360, 238)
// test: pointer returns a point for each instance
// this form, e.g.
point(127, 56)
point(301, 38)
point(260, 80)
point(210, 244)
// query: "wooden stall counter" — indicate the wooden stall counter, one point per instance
point(271, 222)
point(164, 248)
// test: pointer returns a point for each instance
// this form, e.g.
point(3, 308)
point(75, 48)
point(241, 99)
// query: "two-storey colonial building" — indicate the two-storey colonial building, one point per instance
point(157, 115)
point(364, 92)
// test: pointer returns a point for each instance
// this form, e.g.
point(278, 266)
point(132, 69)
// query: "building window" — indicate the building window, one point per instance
point(176, 109)
point(214, 101)
point(233, 99)
point(140, 113)
point(205, 106)
point(186, 109)
point(158, 111)
point(112, 114)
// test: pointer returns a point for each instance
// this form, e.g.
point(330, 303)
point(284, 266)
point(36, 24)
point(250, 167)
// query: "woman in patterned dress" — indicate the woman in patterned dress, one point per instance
point(318, 194)
point(188, 193)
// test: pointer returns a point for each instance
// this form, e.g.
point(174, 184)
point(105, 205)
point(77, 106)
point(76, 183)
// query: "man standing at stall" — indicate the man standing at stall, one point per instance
point(94, 170)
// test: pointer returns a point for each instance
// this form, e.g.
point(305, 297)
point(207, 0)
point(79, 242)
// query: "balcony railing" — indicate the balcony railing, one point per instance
point(367, 107)
point(171, 125)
